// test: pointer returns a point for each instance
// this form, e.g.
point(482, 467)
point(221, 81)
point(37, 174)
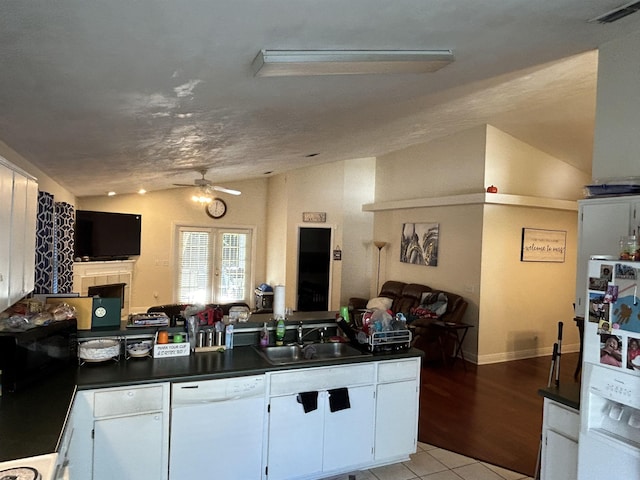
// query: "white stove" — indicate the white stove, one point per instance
point(31, 468)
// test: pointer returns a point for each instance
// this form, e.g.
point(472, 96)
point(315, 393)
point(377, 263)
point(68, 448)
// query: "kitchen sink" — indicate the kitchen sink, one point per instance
point(313, 352)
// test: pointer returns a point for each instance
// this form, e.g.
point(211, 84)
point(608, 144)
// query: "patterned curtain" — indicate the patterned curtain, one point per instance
point(54, 246)
point(64, 221)
point(44, 277)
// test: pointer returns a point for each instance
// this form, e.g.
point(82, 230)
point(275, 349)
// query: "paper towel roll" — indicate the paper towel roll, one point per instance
point(278, 301)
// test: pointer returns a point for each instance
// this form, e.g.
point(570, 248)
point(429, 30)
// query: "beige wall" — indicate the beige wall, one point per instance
point(479, 249)
point(357, 229)
point(323, 188)
point(519, 169)
point(277, 246)
point(521, 303)
point(162, 212)
point(450, 165)
point(459, 253)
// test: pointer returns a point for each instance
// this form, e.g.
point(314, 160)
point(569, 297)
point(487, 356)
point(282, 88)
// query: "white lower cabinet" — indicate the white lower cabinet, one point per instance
point(129, 447)
point(560, 431)
point(123, 432)
point(120, 433)
point(320, 442)
point(397, 397)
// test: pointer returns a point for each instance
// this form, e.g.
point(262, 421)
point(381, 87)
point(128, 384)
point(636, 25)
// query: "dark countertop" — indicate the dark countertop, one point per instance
point(31, 421)
point(566, 393)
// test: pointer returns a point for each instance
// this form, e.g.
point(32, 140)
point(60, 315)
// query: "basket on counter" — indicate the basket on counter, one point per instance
point(99, 350)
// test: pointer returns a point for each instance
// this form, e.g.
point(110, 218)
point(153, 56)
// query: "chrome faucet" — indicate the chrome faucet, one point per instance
point(300, 334)
point(321, 330)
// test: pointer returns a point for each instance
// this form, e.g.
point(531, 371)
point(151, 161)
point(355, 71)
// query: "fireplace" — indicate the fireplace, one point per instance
point(87, 275)
point(112, 290)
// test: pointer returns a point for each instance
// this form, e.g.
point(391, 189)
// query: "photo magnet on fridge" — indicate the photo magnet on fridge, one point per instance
point(604, 327)
point(598, 309)
point(599, 284)
point(612, 294)
point(625, 272)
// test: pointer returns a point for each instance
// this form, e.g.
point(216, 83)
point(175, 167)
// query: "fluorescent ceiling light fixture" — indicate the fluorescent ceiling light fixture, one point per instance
point(280, 63)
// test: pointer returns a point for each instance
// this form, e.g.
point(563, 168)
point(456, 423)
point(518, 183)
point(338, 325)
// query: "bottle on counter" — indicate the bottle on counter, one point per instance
point(280, 331)
point(264, 336)
point(228, 336)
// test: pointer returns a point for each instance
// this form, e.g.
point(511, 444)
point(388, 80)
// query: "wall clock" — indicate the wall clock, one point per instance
point(217, 208)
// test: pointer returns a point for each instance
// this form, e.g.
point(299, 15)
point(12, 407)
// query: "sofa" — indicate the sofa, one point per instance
point(406, 298)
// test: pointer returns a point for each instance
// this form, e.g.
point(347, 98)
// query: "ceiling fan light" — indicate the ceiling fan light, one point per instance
point(202, 199)
point(278, 63)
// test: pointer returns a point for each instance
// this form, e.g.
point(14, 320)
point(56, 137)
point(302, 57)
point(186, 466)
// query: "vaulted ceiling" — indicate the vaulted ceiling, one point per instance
point(122, 95)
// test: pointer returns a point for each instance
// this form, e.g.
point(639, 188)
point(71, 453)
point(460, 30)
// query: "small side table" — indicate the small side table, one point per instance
point(457, 332)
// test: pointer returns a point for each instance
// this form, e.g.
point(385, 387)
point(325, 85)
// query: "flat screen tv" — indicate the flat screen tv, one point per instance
point(106, 235)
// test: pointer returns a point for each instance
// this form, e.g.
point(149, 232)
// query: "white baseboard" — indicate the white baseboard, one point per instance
point(518, 355)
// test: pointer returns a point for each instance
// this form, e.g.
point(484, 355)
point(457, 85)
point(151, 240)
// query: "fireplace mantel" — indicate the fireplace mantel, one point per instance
point(89, 274)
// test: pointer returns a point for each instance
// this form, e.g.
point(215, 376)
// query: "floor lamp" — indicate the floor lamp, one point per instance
point(380, 246)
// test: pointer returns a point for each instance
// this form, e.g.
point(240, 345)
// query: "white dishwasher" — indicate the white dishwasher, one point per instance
point(217, 428)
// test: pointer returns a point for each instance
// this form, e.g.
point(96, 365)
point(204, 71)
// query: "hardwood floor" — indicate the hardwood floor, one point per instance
point(492, 412)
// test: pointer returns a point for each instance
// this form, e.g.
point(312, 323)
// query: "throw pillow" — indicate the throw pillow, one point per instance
point(432, 305)
point(379, 303)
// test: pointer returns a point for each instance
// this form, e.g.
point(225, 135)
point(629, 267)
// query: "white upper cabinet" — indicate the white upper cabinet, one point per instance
point(6, 189)
point(18, 214)
point(601, 223)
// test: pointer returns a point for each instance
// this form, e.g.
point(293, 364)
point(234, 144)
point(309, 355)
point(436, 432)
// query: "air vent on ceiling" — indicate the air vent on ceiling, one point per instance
point(617, 14)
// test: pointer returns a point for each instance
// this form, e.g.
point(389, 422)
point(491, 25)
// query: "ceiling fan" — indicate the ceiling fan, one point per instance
point(206, 185)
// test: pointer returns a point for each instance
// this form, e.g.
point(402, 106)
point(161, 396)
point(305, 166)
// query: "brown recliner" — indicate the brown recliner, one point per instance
point(407, 296)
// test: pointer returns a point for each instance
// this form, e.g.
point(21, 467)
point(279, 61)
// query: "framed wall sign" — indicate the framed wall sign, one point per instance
point(543, 245)
point(316, 217)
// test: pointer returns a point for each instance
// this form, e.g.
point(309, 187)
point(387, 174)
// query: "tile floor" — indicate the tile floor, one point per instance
point(433, 463)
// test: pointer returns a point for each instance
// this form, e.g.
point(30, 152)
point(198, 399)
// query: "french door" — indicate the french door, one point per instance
point(214, 265)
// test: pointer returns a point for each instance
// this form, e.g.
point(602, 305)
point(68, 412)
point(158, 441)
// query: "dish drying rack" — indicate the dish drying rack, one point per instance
point(389, 341)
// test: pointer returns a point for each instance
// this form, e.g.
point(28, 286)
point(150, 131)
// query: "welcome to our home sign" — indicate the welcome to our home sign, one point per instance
point(543, 245)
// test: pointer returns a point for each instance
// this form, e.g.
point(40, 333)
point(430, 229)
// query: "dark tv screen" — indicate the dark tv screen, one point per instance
point(105, 235)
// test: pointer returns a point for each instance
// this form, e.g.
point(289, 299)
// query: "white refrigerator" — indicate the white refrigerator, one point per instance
point(609, 445)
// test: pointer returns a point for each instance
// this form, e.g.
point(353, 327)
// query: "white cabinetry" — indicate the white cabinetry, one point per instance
point(601, 223)
point(320, 442)
point(6, 189)
point(560, 430)
point(18, 211)
point(120, 433)
point(397, 397)
point(223, 417)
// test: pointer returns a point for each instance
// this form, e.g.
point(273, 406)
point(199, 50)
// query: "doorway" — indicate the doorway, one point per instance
point(314, 269)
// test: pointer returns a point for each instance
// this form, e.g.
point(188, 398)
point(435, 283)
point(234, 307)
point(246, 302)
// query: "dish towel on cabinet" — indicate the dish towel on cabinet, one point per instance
point(309, 401)
point(339, 399)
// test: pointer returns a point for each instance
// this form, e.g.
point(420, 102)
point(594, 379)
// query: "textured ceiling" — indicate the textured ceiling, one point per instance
point(122, 95)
